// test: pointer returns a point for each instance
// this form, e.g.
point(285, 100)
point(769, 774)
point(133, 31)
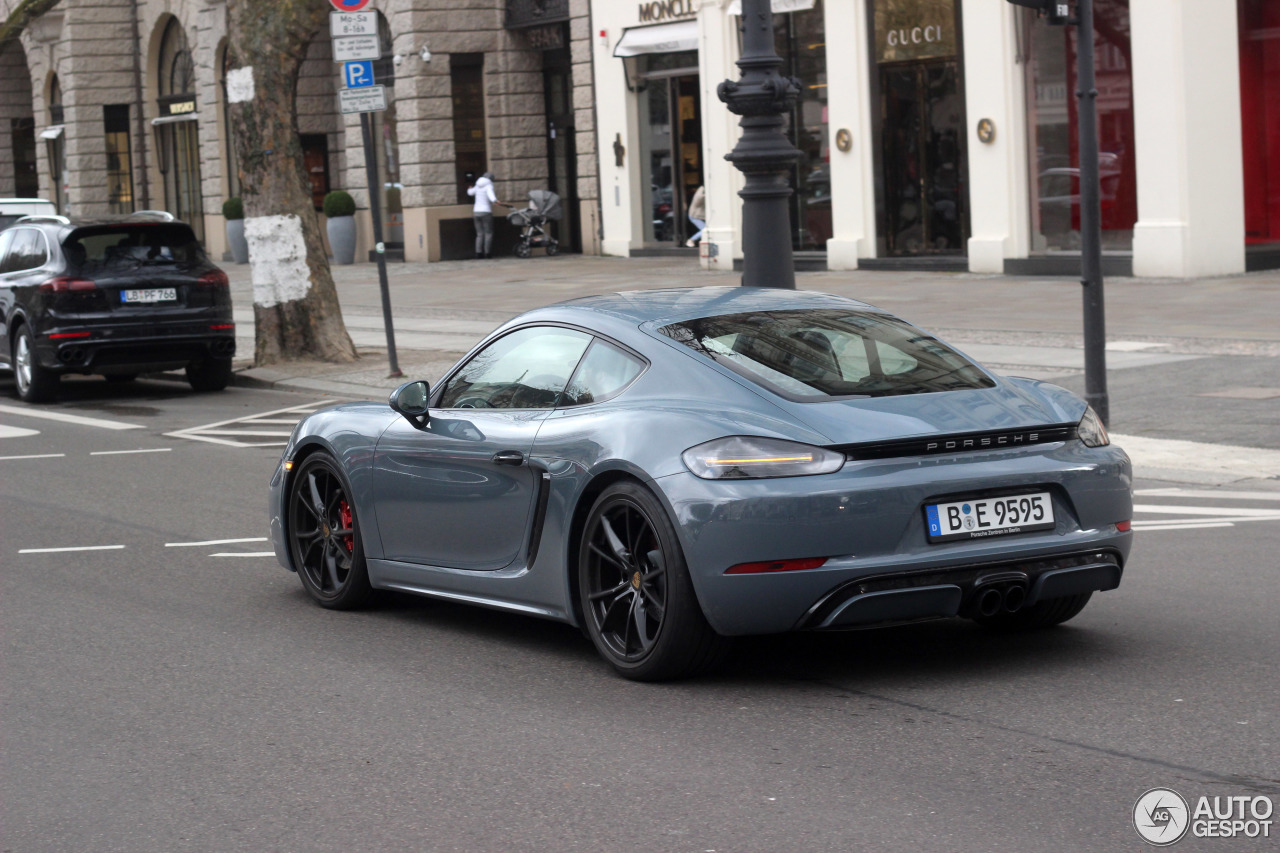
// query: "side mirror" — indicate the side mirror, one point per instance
point(410, 400)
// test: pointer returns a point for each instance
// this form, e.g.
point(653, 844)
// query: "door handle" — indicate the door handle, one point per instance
point(508, 457)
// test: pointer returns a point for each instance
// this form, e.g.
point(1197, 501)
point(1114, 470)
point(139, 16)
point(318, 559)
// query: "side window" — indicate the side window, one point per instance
point(604, 372)
point(526, 369)
point(6, 240)
point(26, 251)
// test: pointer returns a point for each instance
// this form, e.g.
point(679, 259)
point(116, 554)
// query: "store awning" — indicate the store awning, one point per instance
point(175, 119)
point(780, 7)
point(53, 131)
point(662, 38)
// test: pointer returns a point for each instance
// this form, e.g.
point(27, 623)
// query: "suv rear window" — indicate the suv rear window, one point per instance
point(129, 246)
point(818, 354)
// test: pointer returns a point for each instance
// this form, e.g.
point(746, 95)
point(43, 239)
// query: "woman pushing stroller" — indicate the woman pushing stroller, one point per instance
point(482, 212)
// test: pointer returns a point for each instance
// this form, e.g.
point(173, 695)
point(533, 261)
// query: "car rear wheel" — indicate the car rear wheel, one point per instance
point(324, 536)
point(35, 384)
point(210, 374)
point(1042, 614)
point(638, 601)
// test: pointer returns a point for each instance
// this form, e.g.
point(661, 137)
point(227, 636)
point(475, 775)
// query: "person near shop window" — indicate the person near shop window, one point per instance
point(482, 212)
point(698, 215)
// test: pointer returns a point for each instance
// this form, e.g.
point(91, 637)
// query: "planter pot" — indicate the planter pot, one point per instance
point(342, 239)
point(236, 240)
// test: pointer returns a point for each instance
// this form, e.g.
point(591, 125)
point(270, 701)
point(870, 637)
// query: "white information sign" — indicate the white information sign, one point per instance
point(353, 24)
point(355, 48)
point(371, 99)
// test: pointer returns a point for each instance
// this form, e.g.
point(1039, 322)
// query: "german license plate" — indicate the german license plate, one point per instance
point(978, 519)
point(155, 294)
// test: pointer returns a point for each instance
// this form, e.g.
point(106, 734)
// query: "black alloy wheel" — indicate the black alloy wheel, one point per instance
point(637, 598)
point(324, 536)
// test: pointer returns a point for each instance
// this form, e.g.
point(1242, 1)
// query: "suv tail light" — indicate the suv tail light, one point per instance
point(67, 284)
point(215, 278)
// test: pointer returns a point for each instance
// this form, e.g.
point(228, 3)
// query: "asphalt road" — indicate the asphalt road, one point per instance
point(160, 696)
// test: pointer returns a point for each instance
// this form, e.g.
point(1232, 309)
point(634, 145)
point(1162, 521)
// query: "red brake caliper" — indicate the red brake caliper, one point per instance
point(344, 513)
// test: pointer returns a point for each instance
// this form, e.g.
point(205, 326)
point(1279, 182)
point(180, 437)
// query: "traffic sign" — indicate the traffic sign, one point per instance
point(349, 5)
point(357, 75)
point(369, 99)
point(353, 24)
point(353, 48)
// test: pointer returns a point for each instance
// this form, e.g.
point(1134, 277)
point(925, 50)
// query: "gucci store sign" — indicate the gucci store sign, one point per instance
point(915, 30)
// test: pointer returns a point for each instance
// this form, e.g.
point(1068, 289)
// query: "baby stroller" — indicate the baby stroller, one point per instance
point(544, 207)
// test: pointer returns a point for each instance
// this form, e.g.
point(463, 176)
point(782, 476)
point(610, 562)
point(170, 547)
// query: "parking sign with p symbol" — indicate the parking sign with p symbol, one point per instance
point(357, 75)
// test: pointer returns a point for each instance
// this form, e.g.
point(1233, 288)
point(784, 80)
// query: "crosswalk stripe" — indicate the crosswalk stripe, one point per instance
point(63, 417)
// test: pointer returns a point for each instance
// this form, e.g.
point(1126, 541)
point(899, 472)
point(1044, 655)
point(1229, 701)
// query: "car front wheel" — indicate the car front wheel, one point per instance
point(35, 384)
point(324, 536)
point(637, 599)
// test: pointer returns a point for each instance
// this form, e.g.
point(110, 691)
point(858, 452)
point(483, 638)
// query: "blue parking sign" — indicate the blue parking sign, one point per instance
point(357, 75)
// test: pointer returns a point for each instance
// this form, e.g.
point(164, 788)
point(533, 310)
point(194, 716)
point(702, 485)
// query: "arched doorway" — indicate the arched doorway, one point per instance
point(18, 175)
point(177, 140)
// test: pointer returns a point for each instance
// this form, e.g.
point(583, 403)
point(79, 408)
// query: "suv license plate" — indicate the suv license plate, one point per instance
point(978, 519)
point(156, 294)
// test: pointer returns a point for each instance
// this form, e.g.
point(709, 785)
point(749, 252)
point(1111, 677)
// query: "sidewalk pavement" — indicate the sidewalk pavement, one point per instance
point(1027, 326)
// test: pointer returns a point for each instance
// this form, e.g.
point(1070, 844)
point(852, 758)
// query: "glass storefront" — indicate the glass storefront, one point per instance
point(1053, 130)
point(670, 143)
point(922, 200)
point(178, 141)
point(1259, 22)
point(800, 39)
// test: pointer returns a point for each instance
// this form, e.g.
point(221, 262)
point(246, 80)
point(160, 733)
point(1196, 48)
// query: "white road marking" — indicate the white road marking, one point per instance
point(62, 417)
point(1186, 525)
point(214, 542)
point(36, 456)
point(1209, 493)
point(1207, 510)
point(16, 432)
point(221, 433)
point(79, 548)
point(123, 452)
point(246, 554)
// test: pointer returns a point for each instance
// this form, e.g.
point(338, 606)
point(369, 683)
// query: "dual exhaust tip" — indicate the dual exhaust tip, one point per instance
point(999, 598)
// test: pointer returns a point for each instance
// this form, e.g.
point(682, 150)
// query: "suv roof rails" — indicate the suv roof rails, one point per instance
point(43, 217)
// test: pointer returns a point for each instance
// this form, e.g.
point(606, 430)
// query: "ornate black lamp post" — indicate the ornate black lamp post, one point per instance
point(764, 155)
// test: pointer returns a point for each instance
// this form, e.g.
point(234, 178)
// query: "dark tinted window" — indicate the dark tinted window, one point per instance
point(815, 354)
point(604, 371)
point(122, 247)
point(526, 369)
point(25, 251)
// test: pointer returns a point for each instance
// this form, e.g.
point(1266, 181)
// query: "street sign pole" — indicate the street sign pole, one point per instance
point(371, 170)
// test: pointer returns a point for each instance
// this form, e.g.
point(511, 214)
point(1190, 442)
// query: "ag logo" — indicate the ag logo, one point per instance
point(1161, 817)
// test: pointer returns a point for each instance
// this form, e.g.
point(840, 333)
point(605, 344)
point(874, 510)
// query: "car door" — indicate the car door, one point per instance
point(23, 252)
point(6, 297)
point(460, 493)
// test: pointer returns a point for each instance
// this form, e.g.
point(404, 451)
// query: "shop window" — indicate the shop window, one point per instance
point(466, 73)
point(115, 123)
point(1053, 130)
point(1259, 22)
point(800, 39)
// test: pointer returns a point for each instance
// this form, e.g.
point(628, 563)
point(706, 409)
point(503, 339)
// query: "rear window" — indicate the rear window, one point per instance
point(125, 247)
point(817, 354)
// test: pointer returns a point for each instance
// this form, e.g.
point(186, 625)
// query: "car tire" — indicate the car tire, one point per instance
point(210, 374)
point(323, 534)
point(34, 383)
point(638, 602)
point(1042, 614)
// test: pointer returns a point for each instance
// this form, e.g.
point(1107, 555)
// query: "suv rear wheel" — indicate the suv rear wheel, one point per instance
point(35, 384)
point(210, 374)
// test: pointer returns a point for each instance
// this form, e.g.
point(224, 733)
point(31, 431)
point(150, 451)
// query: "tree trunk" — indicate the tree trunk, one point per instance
point(295, 303)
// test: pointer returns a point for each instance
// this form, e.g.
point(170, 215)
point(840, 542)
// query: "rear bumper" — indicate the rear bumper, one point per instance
point(109, 349)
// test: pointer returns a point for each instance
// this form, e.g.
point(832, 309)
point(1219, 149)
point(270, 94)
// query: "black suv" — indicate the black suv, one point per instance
point(115, 297)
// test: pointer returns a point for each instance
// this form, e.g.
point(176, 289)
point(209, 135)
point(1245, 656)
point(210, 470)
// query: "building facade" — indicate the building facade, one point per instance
point(942, 134)
point(113, 106)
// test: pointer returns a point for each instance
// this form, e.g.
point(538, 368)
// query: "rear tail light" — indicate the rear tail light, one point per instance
point(776, 566)
point(216, 278)
point(67, 284)
point(222, 327)
point(1124, 526)
point(59, 335)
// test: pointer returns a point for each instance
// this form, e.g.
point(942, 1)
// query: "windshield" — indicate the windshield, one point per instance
point(816, 354)
point(130, 246)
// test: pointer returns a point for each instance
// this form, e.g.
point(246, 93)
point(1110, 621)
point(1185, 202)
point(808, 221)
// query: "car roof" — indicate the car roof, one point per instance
point(675, 304)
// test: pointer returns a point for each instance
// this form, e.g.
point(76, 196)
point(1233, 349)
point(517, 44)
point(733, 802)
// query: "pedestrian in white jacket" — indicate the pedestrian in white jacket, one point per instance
point(482, 212)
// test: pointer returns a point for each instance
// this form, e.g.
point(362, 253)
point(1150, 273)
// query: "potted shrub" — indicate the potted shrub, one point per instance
point(339, 210)
point(233, 212)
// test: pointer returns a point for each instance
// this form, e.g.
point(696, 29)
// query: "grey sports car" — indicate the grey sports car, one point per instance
point(668, 469)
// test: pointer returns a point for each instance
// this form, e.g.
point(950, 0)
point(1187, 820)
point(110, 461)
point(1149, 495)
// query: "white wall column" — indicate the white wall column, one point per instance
point(717, 53)
point(849, 107)
point(1186, 105)
point(993, 83)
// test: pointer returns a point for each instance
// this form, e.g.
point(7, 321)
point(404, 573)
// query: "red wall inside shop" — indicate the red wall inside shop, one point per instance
point(1260, 114)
